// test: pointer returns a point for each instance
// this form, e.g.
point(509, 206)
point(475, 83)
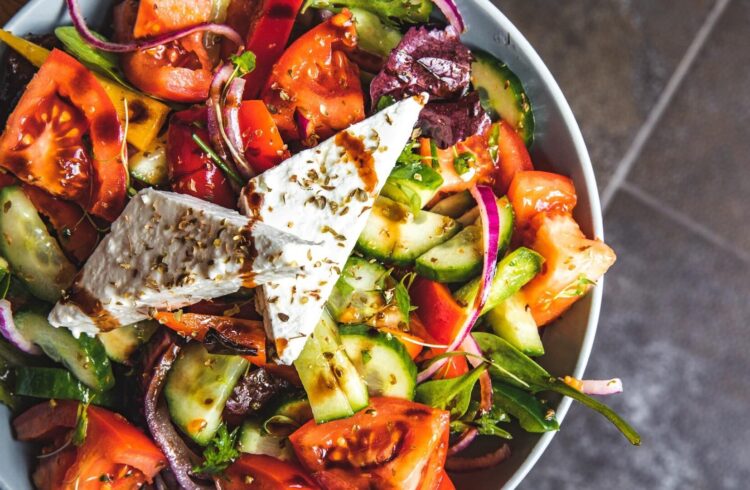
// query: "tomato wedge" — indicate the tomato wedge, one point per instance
point(264, 148)
point(191, 170)
point(46, 140)
point(393, 444)
point(440, 314)
point(162, 16)
point(260, 472)
point(246, 333)
point(572, 264)
point(315, 78)
point(533, 192)
point(512, 154)
point(473, 152)
point(181, 70)
point(76, 234)
point(446, 483)
point(114, 451)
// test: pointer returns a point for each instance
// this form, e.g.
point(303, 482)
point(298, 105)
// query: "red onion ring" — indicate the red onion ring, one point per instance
point(451, 12)
point(464, 441)
point(221, 77)
point(10, 332)
point(487, 205)
point(465, 464)
point(181, 458)
point(601, 386)
point(80, 24)
point(233, 134)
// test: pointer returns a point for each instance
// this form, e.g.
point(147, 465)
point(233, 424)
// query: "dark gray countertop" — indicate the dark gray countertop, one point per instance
point(661, 89)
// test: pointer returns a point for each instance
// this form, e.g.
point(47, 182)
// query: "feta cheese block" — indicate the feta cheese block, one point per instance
point(324, 194)
point(171, 250)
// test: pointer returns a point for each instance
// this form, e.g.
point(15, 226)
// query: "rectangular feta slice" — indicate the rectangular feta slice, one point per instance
point(324, 194)
point(171, 250)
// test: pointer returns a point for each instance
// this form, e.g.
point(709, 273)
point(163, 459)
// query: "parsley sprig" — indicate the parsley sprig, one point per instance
point(220, 452)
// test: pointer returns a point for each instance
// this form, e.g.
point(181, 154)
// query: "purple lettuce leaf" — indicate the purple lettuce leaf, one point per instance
point(450, 122)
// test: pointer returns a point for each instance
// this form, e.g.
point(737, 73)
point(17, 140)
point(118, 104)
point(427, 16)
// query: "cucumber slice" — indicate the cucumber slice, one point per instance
point(357, 295)
point(150, 166)
point(331, 381)
point(56, 383)
point(121, 343)
point(513, 322)
point(460, 258)
point(413, 185)
point(516, 269)
point(381, 360)
point(296, 408)
point(197, 389)
point(34, 255)
point(85, 356)
point(502, 94)
point(255, 440)
point(394, 234)
point(455, 205)
point(373, 35)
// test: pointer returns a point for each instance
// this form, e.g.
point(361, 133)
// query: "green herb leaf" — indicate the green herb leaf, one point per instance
point(408, 156)
point(579, 287)
point(452, 394)
point(99, 61)
point(4, 284)
point(82, 425)
point(243, 63)
point(401, 294)
point(224, 166)
point(220, 452)
point(532, 414)
point(494, 143)
point(463, 161)
point(384, 101)
point(411, 11)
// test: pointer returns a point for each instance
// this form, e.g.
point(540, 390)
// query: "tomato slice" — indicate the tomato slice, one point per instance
point(513, 156)
point(267, 39)
point(446, 483)
point(247, 333)
point(315, 78)
point(572, 263)
point(393, 444)
point(533, 192)
point(46, 139)
point(76, 234)
point(260, 472)
point(264, 148)
point(180, 71)
point(113, 448)
point(474, 150)
point(162, 16)
point(191, 170)
point(440, 314)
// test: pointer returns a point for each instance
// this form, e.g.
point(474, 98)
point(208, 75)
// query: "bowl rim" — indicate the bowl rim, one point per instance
point(589, 180)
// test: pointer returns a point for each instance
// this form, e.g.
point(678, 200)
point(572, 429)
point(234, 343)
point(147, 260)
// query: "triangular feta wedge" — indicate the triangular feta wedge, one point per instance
point(324, 195)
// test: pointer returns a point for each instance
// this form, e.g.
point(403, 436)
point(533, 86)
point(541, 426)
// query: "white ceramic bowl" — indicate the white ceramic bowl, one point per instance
point(558, 145)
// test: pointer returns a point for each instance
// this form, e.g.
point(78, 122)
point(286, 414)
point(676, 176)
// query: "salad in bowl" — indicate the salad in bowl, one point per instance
point(278, 244)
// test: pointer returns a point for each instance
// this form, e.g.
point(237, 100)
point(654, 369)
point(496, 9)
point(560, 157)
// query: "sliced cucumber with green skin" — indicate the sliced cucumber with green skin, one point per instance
point(460, 258)
point(373, 35)
point(532, 415)
point(150, 166)
point(381, 359)
point(455, 205)
point(56, 383)
point(333, 386)
point(255, 440)
point(394, 234)
point(502, 94)
point(33, 254)
point(121, 343)
point(295, 409)
point(512, 321)
point(197, 388)
point(413, 185)
point(516, 269)
point(357, 295)
point(85, 356)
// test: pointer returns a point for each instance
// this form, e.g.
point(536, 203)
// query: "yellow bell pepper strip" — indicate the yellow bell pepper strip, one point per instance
point(145, 115)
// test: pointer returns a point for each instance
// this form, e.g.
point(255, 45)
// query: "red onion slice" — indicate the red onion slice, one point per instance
point(451, 12)
point(304, 125)
point(601, 386)
point(215, 125)
point(181, 458)
point(490, 231)
point(464, 464)
point(80, 24)
point(11, 333)
point(232, 133)
point(470, 346)
point(464, 441)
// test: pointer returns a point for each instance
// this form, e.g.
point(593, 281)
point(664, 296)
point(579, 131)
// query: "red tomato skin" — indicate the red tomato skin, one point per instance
point(532, 192)
point(267, 39)
point(162, 16)
point(260, 472)
point(209, 184)
point(440, 314)
point(264, 148)
point(513, 156)
point(446, 483)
